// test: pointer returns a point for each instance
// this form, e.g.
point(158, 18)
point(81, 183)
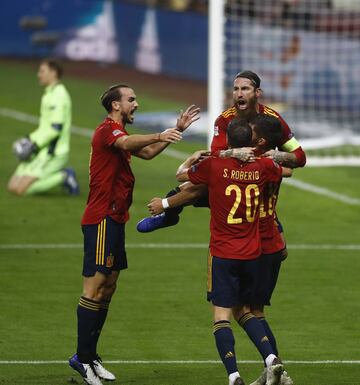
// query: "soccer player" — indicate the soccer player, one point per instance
point(266, 132)
point(103, 223)
point(45, 152)
point(235, 189)
point(246, 92)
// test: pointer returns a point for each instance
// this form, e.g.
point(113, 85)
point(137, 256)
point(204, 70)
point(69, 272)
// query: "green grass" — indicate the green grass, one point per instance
point(345, 150)
point(160, 311)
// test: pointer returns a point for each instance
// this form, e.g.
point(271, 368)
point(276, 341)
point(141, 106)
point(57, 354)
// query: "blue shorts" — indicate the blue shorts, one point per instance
point(232, 282)
point(269, 271)
point(104, 247)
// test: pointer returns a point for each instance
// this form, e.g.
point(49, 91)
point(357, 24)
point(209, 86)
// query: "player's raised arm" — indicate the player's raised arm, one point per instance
point(186, 118)
point(135, 143)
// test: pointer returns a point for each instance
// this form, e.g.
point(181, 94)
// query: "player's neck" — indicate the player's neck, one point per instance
point(116, 117)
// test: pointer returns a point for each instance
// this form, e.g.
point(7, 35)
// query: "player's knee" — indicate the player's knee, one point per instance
point(105, 292)
point(258, 312)
point(17, 190)
point(238, 312)
point(109, 291)
point(11, 186)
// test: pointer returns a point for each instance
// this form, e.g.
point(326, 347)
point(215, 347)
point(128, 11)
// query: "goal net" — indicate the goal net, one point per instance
point(307, 54)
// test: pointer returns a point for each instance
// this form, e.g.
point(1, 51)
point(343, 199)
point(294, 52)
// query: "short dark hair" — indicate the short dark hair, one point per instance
point(255, 80)
point(267, 127)
point(112, 94)
point(54, 65)
point(239, 133)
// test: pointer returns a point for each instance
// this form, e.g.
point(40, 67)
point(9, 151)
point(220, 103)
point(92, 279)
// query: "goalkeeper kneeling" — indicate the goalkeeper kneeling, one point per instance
point(44, 153)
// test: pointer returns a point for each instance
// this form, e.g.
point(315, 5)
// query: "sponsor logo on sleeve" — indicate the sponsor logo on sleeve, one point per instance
point(216, 131)
point(117, 132)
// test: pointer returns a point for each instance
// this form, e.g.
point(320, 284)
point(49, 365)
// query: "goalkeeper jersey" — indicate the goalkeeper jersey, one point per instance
point(53, 131)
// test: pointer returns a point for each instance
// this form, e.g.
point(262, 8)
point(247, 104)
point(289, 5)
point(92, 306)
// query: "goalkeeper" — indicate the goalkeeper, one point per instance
point(43, 154)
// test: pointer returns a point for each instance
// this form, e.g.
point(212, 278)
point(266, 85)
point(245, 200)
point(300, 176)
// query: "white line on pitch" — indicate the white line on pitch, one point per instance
point(184, 362)
point(321, 191)
point(24, 117)
point(23, 246)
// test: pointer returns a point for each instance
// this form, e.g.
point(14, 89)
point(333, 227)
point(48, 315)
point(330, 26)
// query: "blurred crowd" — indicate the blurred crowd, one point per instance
point(177, 5)
point(315, 15)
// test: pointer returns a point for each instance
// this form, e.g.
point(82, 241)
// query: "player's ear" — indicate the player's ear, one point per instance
point(115, 104)
point(258, 92)
point(261, 142)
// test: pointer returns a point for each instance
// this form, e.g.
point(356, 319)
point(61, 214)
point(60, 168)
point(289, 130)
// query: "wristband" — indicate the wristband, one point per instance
point(165, 203)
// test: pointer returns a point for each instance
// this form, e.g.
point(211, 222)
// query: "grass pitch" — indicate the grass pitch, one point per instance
point(159, 329)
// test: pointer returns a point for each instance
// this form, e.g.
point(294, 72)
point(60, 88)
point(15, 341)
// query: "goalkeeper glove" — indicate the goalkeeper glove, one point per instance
point(23, 148)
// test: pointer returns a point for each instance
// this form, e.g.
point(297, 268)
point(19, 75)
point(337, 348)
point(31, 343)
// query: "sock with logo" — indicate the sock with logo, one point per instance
point(87, 315)
point(225, 343)
point(256, 333)
point(269, 334)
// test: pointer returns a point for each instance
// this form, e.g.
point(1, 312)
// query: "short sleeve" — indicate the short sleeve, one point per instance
point(273, 170)
point(219, 141)
point(200, 173)
point(111, 133)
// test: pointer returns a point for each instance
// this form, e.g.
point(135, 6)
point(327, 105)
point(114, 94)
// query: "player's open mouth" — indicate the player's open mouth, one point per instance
point(241, 104)
point(132, 113)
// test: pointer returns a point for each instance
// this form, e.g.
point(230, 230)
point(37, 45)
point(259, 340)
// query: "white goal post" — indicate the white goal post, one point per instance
point(307, 53)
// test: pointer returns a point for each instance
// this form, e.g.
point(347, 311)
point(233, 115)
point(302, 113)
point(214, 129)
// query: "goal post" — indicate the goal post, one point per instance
point(216, 60)
point(307, 53)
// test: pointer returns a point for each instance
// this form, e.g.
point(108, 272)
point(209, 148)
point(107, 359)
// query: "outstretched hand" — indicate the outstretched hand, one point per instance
point(191, 115)
point(155, 206)
point(170, 135)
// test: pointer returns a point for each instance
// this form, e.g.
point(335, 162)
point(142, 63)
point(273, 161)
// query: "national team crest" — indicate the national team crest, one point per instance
point(110, 260)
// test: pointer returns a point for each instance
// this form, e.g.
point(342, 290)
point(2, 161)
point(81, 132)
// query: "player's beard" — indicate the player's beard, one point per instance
point(129, 118)
point(250, 110)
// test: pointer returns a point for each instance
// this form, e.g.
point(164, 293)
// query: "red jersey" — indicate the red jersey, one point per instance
point(111, 179)
point(271, 240)
point(235, 189)
point(219, 139)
